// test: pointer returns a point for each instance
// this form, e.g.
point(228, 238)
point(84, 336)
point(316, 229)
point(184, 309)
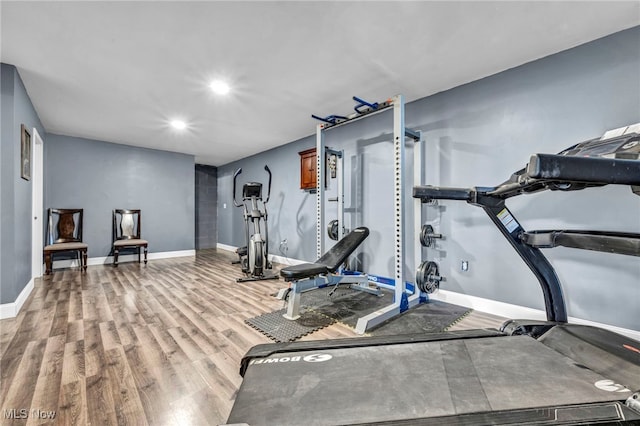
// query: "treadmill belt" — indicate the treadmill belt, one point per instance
point(413, 380)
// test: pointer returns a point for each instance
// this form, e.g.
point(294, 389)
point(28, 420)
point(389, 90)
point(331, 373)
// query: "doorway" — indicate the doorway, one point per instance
point(37, 195)
point(206, 207)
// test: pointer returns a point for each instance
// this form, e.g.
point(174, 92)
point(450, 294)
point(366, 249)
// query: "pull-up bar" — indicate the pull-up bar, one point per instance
point(361, 108)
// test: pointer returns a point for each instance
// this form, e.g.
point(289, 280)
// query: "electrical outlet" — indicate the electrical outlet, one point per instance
point(464, 266)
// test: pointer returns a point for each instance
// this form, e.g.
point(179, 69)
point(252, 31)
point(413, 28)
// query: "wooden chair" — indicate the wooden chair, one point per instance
point(64, 234)
point(126, 233)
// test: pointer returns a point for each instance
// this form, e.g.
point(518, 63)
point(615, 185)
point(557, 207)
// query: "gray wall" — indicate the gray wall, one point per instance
point(478, 134)
point(100, 176)
point(15, 206)
point(206, 206)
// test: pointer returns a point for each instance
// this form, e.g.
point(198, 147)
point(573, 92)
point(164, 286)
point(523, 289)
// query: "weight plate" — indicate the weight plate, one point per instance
point(332, 229)
point(428, 277)
point(425, 235)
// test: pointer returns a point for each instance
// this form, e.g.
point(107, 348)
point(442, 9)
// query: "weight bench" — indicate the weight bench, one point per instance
point(322, 272)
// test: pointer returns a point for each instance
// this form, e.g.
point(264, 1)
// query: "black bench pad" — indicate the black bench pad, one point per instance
point(304, 270)
point(331, 260)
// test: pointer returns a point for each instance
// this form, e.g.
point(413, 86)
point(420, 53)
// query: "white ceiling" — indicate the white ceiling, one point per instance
point(119, 71)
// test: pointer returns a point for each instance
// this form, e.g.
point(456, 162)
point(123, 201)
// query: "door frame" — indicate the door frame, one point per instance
point(37, 205)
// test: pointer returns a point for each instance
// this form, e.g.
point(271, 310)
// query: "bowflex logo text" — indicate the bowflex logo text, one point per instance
point(285, 359)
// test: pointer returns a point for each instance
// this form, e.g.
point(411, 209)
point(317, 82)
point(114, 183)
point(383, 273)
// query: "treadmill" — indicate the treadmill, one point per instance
point(527, 372)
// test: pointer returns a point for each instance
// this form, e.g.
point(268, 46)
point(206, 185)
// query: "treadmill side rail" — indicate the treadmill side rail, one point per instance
point(583, 414)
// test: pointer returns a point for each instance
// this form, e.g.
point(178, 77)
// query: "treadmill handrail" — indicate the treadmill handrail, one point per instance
point(626, 243)
point(596, 170)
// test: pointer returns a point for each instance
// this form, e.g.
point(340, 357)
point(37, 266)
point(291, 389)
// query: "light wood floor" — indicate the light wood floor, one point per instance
point(159, 344)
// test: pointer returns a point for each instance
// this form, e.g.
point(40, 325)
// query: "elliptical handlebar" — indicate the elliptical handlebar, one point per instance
point(268, 186)
point(235, 176)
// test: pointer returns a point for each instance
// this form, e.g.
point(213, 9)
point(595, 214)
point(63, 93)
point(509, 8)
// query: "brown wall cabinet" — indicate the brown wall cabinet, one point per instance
point(308, 164)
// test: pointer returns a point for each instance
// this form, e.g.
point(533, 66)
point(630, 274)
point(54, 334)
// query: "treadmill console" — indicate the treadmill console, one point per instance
point(621, 144)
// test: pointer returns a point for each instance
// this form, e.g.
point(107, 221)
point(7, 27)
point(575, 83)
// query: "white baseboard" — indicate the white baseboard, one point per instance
point(494, 307)
point(285, 260)
point(272, 257)
point(226, 247)
point(72, 263)
point(11, 310)
point(508, 310)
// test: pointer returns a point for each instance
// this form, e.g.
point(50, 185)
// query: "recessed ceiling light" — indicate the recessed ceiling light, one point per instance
point(178, 124)
point(219, 87)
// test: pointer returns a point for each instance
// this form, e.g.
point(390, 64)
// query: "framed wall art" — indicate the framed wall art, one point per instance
point(25, 153)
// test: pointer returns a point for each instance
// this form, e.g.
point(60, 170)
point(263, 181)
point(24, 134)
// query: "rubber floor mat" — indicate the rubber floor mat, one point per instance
point(433, 316)
point(345, 305)
point(321, 308)
point(277, 328)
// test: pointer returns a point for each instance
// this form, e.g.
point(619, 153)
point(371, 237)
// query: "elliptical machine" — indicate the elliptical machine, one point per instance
point(254, 257)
